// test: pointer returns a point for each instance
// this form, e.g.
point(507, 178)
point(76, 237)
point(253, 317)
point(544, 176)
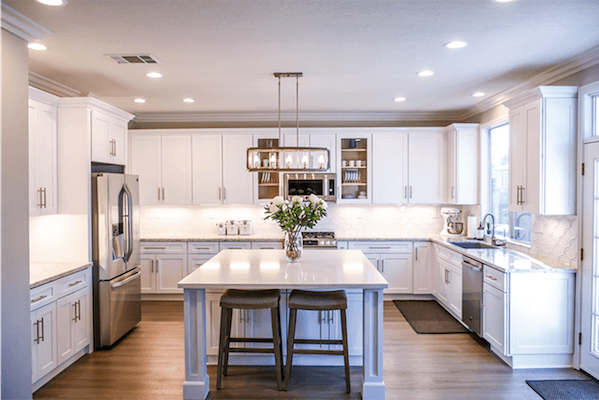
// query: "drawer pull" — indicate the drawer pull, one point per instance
point(491, 277)
point(39, 298)
point(234, 248)
point(154, 248)
point(74, 283)
point(202, 248)
point(380, 248)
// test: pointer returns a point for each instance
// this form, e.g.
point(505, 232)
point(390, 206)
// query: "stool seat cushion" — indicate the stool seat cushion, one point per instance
point(314, 300)
point(250, 299)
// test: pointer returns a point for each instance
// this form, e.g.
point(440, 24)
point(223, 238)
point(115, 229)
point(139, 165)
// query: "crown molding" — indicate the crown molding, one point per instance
point(21, 26)
point(95, 104)
point(51, 86)
point(560, 71)
point(187, 117)
point(43, 97)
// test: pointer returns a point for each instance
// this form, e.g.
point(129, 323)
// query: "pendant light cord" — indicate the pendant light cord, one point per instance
point(297, 110)
point(280, 142)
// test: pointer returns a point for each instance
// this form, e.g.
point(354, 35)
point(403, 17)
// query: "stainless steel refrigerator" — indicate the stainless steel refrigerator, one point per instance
point(117, 273)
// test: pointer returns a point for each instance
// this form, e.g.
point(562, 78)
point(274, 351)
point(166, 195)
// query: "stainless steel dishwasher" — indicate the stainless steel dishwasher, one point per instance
point(472, 287)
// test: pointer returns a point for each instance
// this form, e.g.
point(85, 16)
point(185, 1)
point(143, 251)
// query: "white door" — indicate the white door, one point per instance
point(390, 168)
point(176, 170)
point(82, 334)
point(590, 266)
point(169, 270)
point(426, 168)
point(207, 169)
point(451, 167)
point(145, 161)
point(237, 181)
point(65, 313)
point(397, 270)
point(147, 273)
point(100, 137)
point(517, 162)
point(422, 268)
point(118, 138)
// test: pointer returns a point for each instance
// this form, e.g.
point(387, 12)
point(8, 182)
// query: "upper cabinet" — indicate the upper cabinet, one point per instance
point(163, 163)
point(312, 137)
point(42, 153)
point(426, 176)
point(355, 175)
point(462, 164)
point(109, 138)
point(542, 176)
point(390, 168)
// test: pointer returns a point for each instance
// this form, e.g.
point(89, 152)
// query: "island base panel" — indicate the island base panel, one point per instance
point(197, 381)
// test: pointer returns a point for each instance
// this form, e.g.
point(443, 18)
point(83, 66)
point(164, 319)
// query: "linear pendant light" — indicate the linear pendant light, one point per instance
point(288, 159)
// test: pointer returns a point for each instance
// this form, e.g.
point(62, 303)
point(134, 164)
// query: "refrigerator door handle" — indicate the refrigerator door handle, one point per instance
point(125, 281)
point(129, 237)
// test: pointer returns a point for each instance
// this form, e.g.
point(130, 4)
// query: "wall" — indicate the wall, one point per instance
point(16, 333)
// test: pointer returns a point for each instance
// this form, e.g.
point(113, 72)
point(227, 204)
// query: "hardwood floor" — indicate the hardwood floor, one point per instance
point(149, 364)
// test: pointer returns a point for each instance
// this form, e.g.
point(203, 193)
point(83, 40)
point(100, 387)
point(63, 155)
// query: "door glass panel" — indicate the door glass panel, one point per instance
point(595, 281)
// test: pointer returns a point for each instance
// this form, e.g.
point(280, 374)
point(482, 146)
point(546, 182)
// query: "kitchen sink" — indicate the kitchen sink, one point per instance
point(474, 245)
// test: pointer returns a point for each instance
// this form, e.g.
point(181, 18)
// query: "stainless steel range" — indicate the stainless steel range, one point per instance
point(319, 240)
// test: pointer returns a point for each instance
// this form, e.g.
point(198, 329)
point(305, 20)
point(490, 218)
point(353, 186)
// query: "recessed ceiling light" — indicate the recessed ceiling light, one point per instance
point(188, 100)
point(456, 44)
point(54, 3)
point(398, 99)
point(154, 75)
point(139, 100)
point(426, 72)
point(36, 46)
point(478, 94)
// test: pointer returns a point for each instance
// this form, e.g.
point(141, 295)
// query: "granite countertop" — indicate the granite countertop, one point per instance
point(217, 238)
point(44, 272)
point(504, 260)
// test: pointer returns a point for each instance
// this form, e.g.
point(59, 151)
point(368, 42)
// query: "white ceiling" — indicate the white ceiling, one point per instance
point(356, 56)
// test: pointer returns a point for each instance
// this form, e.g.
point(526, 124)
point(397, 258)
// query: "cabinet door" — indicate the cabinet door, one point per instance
point(237, 181)
point(441, 284)
point(466, 167)
point(397, 270)
point(176, 170)
point(423, 275)
point(82, 334)
point(213, 311)
point(100, 137)
point(145, 161)
point(207, 169)
point(169, 270)
point(46, 355)
point(494, 314)
point(326, 140)
point(148, 280)
point(530, 195)
point(451, 172)
point(517, 162)
point(117, 141)
point(354, 313)
point(195, 261)
point(390, 168)
point(426, 168)
point(66, 313)
point(454, 294)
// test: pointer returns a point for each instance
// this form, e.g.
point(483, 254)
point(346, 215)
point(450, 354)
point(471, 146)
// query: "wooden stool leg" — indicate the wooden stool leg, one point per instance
point(290, 338)
point(280, 333)
point(276, 341)
point(345, 350)
point(229, 320)
point(221, 347)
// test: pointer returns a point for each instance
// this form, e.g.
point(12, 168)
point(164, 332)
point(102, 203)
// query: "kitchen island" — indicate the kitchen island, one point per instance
point(270, 269)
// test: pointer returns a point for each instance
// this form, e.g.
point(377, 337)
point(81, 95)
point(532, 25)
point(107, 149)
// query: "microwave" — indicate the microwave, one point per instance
point(305, 184)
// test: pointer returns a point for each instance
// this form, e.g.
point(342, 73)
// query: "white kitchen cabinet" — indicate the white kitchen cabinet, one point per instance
point(200, 252)
point(238, 184)
point(163, 163)
point(44, 341)
point(448, 279)
point(390, 168)
point(542, 176)
point(42, 153)
point(393, 259)
point(271, 245)
point(423, 274)
point(495, 306)
point(73, 318)
point(207, 169)
point(267, 184)
point(163, 265)
point(462, 164)
point(108, 138)
point(426, 168)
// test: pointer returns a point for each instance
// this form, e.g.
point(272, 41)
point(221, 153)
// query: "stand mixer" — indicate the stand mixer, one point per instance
point(451, 227)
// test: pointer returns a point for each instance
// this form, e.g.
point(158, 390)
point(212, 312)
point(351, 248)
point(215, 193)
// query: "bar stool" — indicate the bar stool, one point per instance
point(318, 301)
point(249, 300)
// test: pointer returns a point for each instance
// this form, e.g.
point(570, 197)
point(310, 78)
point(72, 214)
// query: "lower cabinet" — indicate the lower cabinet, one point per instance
point(61, 325)
point(163, 265)
point(448, 279)
point(494, 313)
point(423, 274)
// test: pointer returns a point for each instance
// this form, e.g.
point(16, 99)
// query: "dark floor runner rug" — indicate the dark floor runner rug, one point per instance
point(566, 389)
point(428, 317)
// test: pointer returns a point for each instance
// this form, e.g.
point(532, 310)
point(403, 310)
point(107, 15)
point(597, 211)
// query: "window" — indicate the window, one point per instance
point(508, 224)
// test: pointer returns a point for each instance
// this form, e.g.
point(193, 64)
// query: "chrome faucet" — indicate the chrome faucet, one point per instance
point(494, 241)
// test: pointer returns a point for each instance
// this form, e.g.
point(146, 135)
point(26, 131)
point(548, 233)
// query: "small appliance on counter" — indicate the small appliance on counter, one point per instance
point(451, 227)
point(221, 228)
point(232, 227)
point(245, 227)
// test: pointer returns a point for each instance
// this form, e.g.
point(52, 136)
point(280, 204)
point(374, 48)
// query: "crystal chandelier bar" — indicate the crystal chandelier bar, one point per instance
point(288, 159)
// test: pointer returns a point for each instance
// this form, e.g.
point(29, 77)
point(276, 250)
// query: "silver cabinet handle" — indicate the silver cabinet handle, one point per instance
point(234, 248)
point(45, 202)
point(406, 192)
point(383, 265)
point(43, 296)
point(158, 193)
point(154, 248)
point(42, 335)
point(219, 192)
point(491, 277)
point(266, 248)
point(163, 194)
point(201, 248)
point(39, 198)
point(75, 283)
point(152, 266)
point(37, 332)
point(224, 193)
point(157, 265)
point(380, 248)
point(416, 250)
point(79, 310)
point(410, 191)
point(115, 147)
point(74, 312)
point(522, 191)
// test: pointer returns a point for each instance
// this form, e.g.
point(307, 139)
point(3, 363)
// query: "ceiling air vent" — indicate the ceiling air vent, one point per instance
point(133, 58)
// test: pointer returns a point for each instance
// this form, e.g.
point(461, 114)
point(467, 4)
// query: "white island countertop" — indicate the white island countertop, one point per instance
point(258, 269)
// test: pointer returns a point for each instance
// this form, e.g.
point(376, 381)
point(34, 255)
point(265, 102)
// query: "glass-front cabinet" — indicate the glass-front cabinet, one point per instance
point(268, 184)
point(354, 168)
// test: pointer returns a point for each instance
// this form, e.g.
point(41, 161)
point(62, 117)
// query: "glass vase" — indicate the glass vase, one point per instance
point(294, 246)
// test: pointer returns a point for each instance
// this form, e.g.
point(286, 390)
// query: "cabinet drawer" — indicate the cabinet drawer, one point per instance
point(452, 256)
point(163, 247)
point(196, 261)
point(42, 295)
point(382, 247)
point(202, 247)
point(495, 278)
point(235, 245)
point(73, 282)
point(267, 245)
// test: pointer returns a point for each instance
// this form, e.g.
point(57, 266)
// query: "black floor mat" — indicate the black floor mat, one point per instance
point(566, 389)
point(428, 317)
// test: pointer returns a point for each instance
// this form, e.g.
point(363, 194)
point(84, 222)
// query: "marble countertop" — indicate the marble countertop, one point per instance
point(504, 260)
point(263, 269)
point(218, 238)
point(44, 272)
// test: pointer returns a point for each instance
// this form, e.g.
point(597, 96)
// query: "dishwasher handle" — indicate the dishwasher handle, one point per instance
point(472, 264)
